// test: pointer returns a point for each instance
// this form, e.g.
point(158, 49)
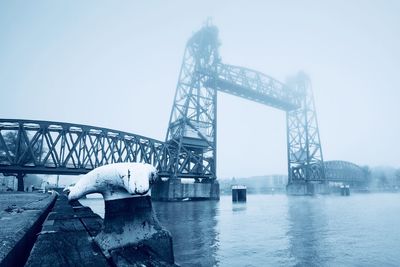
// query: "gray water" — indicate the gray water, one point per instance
point(277, 230)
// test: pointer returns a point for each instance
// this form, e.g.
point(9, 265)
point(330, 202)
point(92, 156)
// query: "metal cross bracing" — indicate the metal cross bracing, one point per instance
point(305, 160)
point(192, 126)
point(345, 172)
point(254, 86)
point(47, 147)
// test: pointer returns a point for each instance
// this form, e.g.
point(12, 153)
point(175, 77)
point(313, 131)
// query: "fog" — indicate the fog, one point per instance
point(116, 65)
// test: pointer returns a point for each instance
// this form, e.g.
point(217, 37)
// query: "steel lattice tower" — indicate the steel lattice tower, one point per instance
point(193, 121)
point(305, 160)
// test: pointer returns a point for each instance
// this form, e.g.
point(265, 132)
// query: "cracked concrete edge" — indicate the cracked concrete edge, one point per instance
point(16, 246)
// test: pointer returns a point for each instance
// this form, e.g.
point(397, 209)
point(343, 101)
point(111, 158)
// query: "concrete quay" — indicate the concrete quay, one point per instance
point(46, 230)
point(65, 238)
point(68, 238)
point(21, 217)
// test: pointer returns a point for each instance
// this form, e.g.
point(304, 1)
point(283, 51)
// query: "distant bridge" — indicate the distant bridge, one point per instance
point(344, 172)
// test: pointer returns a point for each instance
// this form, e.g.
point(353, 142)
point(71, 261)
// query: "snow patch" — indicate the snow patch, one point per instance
point(115, 181)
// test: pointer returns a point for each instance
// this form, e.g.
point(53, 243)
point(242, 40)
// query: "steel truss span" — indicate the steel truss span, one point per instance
point(189, 150)
point(344, 171)
point(63, 148)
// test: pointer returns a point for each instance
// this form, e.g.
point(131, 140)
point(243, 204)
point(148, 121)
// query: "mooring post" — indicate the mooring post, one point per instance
point(131, 233)
point(131, 228)
point(239, 193)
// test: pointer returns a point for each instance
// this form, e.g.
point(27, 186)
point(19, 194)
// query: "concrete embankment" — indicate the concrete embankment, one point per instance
point(21, 217)
point(65, 239)
point(46, 230)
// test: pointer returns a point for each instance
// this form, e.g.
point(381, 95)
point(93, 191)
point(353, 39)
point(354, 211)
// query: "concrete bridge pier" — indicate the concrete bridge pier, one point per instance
point(20, 179)
point(132, 232)
point(175, 190)
point(307, 188)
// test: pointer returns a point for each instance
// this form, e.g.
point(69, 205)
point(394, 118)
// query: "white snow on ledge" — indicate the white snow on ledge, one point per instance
point(115, 181)
point(239, 187)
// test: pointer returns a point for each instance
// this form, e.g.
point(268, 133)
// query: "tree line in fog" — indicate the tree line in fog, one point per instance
point(382, 177)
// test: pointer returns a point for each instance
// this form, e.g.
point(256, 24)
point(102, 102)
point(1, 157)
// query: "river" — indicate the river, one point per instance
point(277, 230)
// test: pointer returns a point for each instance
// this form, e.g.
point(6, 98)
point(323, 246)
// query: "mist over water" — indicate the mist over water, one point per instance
point(116, 65)
point(113, 61)
point(277, 230)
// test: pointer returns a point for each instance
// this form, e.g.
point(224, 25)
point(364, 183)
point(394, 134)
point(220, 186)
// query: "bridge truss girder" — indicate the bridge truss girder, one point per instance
point(254, 86)
point(62, 148)
point(345, 172)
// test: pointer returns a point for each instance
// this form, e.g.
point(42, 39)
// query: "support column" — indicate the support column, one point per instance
point(20, 178)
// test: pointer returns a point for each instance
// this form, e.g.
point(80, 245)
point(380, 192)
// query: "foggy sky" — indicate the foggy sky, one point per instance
point(115, 64)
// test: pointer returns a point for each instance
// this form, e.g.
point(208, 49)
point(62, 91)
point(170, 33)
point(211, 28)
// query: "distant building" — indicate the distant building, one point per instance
point(8, 183)
point(257, 184)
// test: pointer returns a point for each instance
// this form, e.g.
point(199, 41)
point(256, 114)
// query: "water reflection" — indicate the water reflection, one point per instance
point(307, 231)
point(276, 230)
point(239, 207)
point(193, 228)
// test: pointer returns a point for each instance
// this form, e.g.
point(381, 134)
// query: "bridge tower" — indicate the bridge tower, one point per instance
point(306, 171)
point(193, 122)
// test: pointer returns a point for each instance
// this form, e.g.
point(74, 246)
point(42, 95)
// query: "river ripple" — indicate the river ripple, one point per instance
point(277, 230)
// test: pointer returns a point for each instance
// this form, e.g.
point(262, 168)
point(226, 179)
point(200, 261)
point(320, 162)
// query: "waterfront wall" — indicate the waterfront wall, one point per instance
point(72, 235)
point(65, 239)
point(22, 215)
point(45, 230)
